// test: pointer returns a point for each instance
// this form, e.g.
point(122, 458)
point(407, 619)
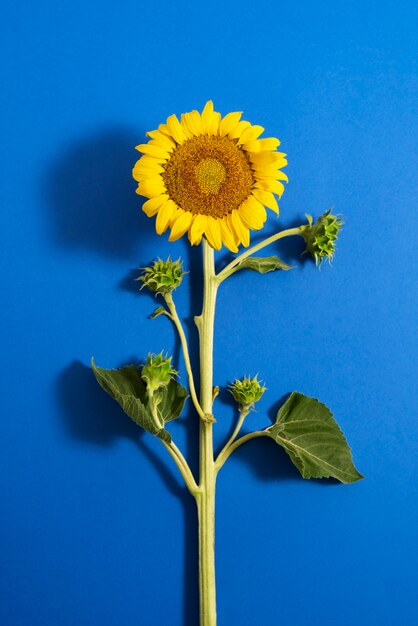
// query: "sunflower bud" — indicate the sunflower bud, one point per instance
point(321, 236)
point(162, 276)
point(157, 372)
point(247, 391)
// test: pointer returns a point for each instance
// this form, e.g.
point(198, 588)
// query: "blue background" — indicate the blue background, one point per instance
point(95, 525)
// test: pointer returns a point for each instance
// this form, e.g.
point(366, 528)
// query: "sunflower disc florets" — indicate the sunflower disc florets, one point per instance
point(157, 371)
point(322, 235)
point(163, 276)
point(247, 391)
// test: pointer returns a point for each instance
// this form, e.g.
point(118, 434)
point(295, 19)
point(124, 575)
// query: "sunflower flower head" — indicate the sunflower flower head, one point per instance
point(162, 276)
point(157, 372)
point(210, 176)
point(247, 391)
point(321, 236)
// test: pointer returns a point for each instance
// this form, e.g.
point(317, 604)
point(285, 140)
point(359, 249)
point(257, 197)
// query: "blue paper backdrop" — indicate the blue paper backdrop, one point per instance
point(95, 526)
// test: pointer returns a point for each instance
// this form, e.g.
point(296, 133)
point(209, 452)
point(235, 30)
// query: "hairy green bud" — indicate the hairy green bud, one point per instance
point(322, 235)
point(247, 391)
point(157, 371)
point(162, 276)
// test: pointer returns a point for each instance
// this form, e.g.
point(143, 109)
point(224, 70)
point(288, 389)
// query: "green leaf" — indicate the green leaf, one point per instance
point(171, 400)
point(126, 386)
point(264, 265)
point(306, 429)
point(160, 310)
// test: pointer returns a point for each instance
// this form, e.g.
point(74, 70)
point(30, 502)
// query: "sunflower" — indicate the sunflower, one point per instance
point(209, 176)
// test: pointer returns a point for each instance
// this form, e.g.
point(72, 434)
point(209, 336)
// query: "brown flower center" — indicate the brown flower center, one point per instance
point(208, 175)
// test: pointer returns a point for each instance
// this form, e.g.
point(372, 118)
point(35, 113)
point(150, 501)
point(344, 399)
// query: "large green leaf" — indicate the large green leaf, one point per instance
point(263, 265)
point(126, 386)
point(306, 429)
point(171, 400)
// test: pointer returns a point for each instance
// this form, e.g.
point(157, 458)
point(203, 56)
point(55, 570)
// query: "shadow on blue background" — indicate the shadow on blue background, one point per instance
point(90, 195)
point(90, 416)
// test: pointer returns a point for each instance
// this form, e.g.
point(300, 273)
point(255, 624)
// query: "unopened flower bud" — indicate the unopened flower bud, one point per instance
point(247, 391)
point(162, 276)
point(157, 371)
point(322, 235)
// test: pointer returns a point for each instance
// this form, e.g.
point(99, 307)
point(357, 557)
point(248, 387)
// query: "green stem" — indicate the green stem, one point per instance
point(176, 320)
point(233, 266)
point(206, 497)
point(183, 467)
point(219, 461)
point(227, 452)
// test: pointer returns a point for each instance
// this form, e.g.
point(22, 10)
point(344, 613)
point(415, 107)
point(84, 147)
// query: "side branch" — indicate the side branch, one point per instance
point(243, 414)
point(227, 451)
point(234, 265)
point(176, 320)
point(183, 467)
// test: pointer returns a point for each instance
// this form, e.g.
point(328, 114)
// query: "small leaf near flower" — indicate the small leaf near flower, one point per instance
point(160, 310)
point(264, 265)
point(306, 429)
point(126, 386)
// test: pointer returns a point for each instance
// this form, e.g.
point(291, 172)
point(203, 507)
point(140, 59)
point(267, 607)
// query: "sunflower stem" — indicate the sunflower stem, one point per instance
point(223, 454)
point(234, 265)
point(176, 320)
point(226, 452)
point(183, 466)
point(205, 498)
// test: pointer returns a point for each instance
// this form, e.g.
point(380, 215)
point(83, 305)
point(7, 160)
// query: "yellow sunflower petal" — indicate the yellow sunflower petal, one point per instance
point(267, 198)
point(164, 141)
point(210, 119)
point(176, 214)
point(153, 150)
point(180, 225)
point(252, 213)
point(175, 129)
point(197, 229)
point(258, 145)
point(151, 188)
point(240, 229)
point(213, 233)
point(150, 207)
point(238, 129)
point(270, 185)
point(250, 133)
point(259, 174)
point(150, 164)
point(259, 159)
point(161, 137)
point(228, 237)
point(163, 128)
point(191, 122)
point(270, 167)
point(216, 120)
point(142, 174)
point(142, 171)
point(229, 122)
point(150, 161)
point(186, 129)
point(165, 213)
point(267, 174)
